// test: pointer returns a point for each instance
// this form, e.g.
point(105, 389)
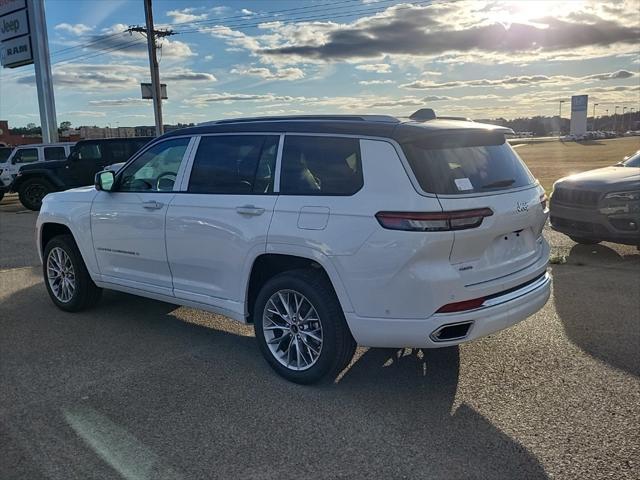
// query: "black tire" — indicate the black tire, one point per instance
point(32, 192)
point(1, 195)
point(338, 345)
point(86, 293)
point(584, 241)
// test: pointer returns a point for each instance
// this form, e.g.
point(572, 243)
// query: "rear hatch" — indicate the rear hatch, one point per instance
point(477, 170)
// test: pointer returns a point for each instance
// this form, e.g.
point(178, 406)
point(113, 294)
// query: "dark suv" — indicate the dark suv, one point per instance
point(86, 159)
point(601, 204)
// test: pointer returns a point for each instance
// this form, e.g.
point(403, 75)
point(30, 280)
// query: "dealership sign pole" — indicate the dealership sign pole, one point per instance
point(23, 41)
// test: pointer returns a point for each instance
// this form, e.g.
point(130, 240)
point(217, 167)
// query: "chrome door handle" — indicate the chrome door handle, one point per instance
point(152, 205)
point(250, 210)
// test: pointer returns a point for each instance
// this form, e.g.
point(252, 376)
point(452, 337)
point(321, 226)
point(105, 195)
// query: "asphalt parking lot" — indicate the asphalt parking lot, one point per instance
point(139, 389)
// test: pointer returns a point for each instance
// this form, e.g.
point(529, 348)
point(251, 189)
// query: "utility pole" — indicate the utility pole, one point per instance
point(151, 35)
point(615, 118)
point(623, 118)
point(594, 115)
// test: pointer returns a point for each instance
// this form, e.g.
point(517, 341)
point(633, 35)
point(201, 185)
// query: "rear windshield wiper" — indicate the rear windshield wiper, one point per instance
point(500, 183)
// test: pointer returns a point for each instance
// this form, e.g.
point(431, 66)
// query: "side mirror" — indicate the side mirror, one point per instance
point(105, 180)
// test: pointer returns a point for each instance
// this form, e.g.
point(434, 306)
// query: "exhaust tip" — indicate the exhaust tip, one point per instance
point(451, 332)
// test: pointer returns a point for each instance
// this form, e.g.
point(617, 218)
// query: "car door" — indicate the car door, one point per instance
point(218, 224)
point(128, 223)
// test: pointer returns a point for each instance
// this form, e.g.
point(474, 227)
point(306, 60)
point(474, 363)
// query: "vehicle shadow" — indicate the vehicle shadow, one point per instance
point(132, 389)
point(597, 297)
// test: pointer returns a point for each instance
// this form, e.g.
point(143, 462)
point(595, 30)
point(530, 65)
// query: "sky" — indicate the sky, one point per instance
point(478, 59)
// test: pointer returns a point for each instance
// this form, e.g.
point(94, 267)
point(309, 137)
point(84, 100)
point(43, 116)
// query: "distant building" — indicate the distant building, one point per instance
point(107, 132)
point(8, 138)
point(144, 131)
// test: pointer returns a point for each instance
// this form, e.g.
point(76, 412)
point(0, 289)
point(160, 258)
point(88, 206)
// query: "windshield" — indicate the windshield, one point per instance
point(473, 162)
point(633, 160)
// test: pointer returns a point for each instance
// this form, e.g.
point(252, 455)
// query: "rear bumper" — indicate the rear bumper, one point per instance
point(591, 224)
point(502, 312)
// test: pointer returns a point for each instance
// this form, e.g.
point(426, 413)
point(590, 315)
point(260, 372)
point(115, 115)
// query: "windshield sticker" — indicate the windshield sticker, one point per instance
point(463, 184)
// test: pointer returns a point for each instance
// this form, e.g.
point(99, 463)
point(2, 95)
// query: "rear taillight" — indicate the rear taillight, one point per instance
point(461, 306)
point(433, 221)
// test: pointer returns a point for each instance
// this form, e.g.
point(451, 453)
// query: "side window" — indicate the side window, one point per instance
point(320, 166)
point(25, 155)
point(234, 164)
point(87, 152)
point(156, 169)
point(120, 151)
point(54, 153)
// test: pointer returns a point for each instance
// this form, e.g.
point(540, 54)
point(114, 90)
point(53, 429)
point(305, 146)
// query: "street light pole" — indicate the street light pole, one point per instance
point(623, 118)
point(594, 115)
point(615, 118)
point(560, 115)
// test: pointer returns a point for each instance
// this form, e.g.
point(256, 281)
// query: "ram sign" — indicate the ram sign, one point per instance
point(579, 114)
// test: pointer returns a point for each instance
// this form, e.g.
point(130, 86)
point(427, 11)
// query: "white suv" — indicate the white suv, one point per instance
point(324, 232)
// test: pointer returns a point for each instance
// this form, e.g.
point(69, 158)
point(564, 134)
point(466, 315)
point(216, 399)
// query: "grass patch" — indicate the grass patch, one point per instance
point(550, 161)
point(557, 259)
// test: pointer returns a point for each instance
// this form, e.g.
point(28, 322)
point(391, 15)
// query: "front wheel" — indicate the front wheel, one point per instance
point(66, 277)
point(33, 191)
point(300, 327)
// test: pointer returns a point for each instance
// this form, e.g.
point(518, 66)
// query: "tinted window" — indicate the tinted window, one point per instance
point(54, 153)
point(26, 155)
point(156, 169)
point(234, 164)
point(466, 163)
point(87, 151)
point(321, 166)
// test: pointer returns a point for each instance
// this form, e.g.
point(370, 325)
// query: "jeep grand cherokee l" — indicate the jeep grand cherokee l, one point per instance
point(323, 232)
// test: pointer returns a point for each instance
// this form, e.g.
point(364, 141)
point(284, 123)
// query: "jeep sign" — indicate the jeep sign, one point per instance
point(14, 25)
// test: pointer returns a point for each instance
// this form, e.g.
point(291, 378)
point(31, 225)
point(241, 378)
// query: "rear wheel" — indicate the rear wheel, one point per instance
point(585, 241)
point(32, 192)
point(300, 327)
point(1, 195)
point(65, 276)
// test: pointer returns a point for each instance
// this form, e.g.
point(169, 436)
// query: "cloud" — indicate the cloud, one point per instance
point(375, 82)
point(186, 15)
point(246, 11)
point(205, 98)
point(519, 81)
point(184, 74)
point(375, 67)
point(290, 73)
point(208, 58)
point(83, 113)
point(611, 75)
point(98, 77)
point(116, 41)
point(495, 31)
point(75, 29)
point(119, 102)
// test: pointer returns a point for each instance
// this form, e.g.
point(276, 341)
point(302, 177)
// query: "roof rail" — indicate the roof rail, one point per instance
point(287, 118)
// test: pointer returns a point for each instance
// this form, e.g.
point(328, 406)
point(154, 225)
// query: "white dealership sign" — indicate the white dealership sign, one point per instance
point(579, 114)
point(15, 37)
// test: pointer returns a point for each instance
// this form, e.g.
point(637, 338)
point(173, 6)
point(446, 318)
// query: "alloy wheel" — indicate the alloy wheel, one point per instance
point(292, 330)
point(61, 275)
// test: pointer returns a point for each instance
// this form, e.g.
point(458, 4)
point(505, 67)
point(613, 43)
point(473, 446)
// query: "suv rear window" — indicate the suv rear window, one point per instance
point(54, 153)
point(461, 163)
point(320, 166)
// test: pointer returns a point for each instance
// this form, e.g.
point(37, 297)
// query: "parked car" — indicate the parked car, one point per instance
point(4, 155)
point(26, 154)
point(86, 158)
point(601, 204)
point(323, 232)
